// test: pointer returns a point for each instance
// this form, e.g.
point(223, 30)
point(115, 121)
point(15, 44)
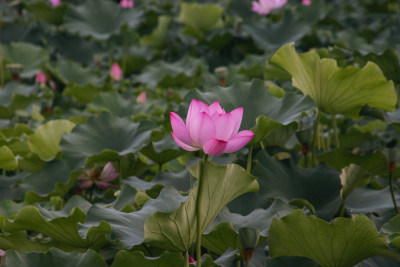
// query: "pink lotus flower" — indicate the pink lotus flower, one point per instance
point(116, 72)
point(306, 2)
point(191, 260)
point(142, 98)
point(210, 128)
point(2, 257)
point(126, 3)
point(99, 176)
point(41, 78)
point(263, 7)
point(55, 3)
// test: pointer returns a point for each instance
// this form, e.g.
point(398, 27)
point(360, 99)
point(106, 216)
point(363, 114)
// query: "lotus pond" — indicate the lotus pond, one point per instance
point(199, 133)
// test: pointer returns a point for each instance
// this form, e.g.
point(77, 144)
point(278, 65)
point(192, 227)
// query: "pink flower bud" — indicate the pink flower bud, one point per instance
point(126, 3)
point(41, 78)
point(116, 72)
point(142, 98)
point(263, 7)
point(306, 2)
point(55, 3)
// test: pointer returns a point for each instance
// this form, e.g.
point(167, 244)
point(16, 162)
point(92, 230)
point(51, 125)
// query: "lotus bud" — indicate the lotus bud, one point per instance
point(141, 98)
point(248, 238)
point(15, 70)
point(221, 73)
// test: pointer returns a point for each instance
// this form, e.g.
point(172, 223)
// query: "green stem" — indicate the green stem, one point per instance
point(249, 159)
point(91, 193)
point(335, 132)
point(392, 192)
point(200, 184)
point(342, 209)
point(187, 259)
point(315, 140)
point(124, 52)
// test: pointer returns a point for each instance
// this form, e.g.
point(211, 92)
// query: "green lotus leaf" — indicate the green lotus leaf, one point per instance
point(99, 19)
point(351, 177)
point(291, 261)
point(60, 225)
point(137, 258)
point(7, 159)
point(46, 138)
point(128, 228)
point(158, 37)
point(221, 238)
point(336, 90)
point(54, 257)
point(193, 14)
point(30, 56)
point(45, 12)
point(255, 100)
point(84, 94)
point(71, 72)
point(162, 151)
point(263, 128)
point(17, 131)
point(282, 179)
point(176, 231)
point(344, 242)
point(104, 132)
point(16, 96)
point(183, 73)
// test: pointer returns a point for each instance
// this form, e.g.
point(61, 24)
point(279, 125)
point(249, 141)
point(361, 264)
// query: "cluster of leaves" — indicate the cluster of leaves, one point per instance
point(316, 184)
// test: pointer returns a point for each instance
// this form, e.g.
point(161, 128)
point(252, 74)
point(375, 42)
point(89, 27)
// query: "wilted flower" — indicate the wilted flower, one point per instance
point(55, 3)
point(116, 72)
point(126, 3)
point(41, 78)
point(210, 128)
point(142, 98)
point(263, 7)
point(2, 257)
point(99, 176)
point(306, 2)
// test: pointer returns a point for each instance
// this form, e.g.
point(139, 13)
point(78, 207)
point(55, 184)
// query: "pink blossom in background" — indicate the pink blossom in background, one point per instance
point(191, 260)
point(263, 7)
point(210, 128)
point(116, 72)
point(41, 78)
point(100, 177)
point(142, 98)
point(306, 2)
point(2, 257)
point(126, 3)
point(55, 3)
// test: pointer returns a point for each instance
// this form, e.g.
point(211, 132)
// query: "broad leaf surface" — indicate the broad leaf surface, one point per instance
point(137, 258)
point(353, 176)
point(176, 231)
point(7, 159)
point(344, 242)
point(336, 90)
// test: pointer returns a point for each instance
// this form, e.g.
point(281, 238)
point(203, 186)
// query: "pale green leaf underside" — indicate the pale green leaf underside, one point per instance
point(7, 159)
point(336, 90)
point(344, 242)
point(177, 230)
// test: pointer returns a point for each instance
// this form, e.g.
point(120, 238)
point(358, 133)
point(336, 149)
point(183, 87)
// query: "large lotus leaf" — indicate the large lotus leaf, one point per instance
point(117, 104)
point(138, 259)
point(18, 241)
point(193, 14)
point(15, 96)
point(158, 37)
point(129, 227)
point(291, 261)
point(344, 242)
point(104, 132)
point(263, 128)
point(7, 159)
point(16, 131)
point(319, 186)
point(176, 231)
point(183, 73)
point(71, 72)
point(339, 158)
point(26, 54)
point(9, 189)
point(44, 184)
point(336, 90)
point(163, 151)
point(368, 200)
point(392, 229)
point(54, 257)
point(61, 226)
point(85, 94)
point(353, 176)
point(47, 13)
point(46, 138)
point(273, 36)
point(99, 18)
point(256, 101)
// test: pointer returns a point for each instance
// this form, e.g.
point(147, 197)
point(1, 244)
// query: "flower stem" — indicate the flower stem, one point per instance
point(335, 132)
point(249, 159)
point(200, 183)
point(315, 138)
point(392, 192)
point(186, 258)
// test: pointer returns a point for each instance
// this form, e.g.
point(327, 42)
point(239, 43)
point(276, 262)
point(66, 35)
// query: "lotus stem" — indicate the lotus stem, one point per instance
point(186, 258)
point(342, 209)
point(315, 139)
point(335, 132)
point(249, 159)
point(200, 184)
point(392, 192)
